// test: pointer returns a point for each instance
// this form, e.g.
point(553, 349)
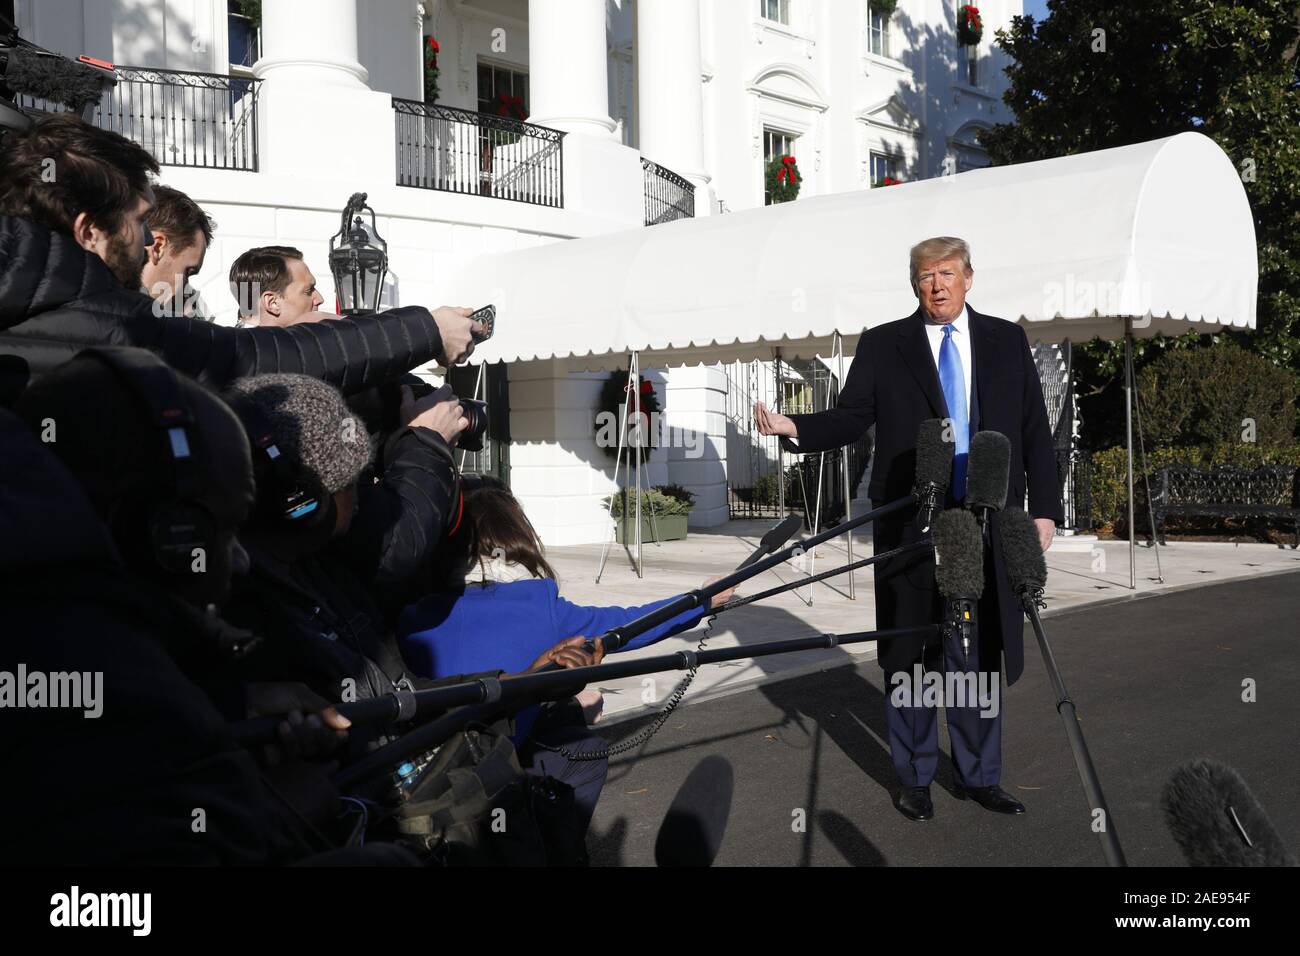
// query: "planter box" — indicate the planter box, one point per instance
point(671, 528)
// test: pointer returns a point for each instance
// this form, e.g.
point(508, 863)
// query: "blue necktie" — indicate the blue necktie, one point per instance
point(954, 391)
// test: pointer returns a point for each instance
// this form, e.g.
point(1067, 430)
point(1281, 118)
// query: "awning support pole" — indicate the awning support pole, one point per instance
point(1128, 443)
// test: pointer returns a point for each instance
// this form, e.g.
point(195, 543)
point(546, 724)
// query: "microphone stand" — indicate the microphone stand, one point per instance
point(1110, 847)
point(618, 637)
point(814, 578)
point(485, 698)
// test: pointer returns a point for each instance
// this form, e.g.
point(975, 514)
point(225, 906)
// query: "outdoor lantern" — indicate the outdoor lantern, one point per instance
point(358, 259)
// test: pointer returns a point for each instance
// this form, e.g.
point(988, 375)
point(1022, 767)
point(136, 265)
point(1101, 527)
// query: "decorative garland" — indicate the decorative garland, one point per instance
point(885, 8)
point(970, 28)
point(613, 394)
point(431, 71)
point(783, 179)
point(887, 181)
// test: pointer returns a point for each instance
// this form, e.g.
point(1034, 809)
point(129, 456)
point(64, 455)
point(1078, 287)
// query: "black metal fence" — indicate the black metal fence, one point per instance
point(667, 195)
point(181, 117)
point(461, 151)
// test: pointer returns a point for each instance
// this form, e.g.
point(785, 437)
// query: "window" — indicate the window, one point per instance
point(778, 10)
point(495, 80)
point(243, 38)
point(970, 66)
point(883, 167)
point(775, 145)
point(877, 32)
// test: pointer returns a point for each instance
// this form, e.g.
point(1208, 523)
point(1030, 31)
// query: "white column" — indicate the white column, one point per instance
point(567, 66)
point(670, 102)
point(316, 44)
point(317, 118)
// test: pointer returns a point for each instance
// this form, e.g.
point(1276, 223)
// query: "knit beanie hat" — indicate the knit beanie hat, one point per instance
point(312, 425)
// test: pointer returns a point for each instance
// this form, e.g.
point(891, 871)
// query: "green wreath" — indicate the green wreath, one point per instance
point(783, 179)
point(613, 395)
point(970, 26)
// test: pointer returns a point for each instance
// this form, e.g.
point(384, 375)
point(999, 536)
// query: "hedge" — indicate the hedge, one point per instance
point(1110, 482)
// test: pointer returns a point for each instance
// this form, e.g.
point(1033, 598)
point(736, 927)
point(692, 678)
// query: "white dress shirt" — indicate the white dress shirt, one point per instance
point(961, 339)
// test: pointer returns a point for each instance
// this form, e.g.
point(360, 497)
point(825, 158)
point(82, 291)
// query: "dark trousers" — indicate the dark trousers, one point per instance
point(563, 726)
point(913, 728)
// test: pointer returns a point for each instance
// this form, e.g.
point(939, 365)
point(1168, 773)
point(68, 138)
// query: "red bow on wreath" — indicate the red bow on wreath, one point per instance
point(433, 45)
point(787, 170)
point(972, 15)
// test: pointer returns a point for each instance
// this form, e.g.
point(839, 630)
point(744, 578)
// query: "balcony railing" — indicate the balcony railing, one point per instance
point(182, 118)
point(667, 195)
point(460, 151)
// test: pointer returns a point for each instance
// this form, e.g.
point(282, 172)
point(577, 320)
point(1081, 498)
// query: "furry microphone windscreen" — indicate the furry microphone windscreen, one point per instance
point(54, 78)
point(1026, 565)
point(959, 554)
point(987, 471)
point(933, 455)
point(1208, 808)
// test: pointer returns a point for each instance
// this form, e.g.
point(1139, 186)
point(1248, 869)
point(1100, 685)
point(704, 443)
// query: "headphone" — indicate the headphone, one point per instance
point(179, 525)
point(285, 493)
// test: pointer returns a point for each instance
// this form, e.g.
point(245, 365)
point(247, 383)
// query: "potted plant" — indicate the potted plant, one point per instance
point(671, 511)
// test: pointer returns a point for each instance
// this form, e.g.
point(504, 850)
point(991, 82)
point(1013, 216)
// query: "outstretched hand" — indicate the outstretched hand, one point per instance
point(773, 423)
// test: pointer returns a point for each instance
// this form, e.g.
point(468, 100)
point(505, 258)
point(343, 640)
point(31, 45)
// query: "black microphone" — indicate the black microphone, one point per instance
point(775, 537)
point(38, 73)
point(959, 570)
point(1023, 554)
point(933, 468)
point(988, 468)
point(691, 833)
point(1217, 821)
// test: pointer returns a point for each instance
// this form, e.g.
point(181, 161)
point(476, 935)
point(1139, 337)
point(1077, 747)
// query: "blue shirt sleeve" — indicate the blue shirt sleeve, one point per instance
point(572, 620)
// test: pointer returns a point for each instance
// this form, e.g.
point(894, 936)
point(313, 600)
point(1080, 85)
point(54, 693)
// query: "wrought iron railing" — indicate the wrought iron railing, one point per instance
point(181, 117)
point(461, 151)
point(667, 195)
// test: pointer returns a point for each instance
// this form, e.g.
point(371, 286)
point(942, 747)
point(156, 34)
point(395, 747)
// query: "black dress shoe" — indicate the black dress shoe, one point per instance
point(914, 803)
point(990, 798)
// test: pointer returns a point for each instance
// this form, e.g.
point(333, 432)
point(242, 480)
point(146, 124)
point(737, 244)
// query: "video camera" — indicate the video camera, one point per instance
point(49, 82)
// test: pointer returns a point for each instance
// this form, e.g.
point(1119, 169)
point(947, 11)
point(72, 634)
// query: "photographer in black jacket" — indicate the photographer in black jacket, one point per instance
point(116, 533)
point(73, 204)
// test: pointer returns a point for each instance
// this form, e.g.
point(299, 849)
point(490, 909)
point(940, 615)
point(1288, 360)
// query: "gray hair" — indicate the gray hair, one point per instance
point(939, 247)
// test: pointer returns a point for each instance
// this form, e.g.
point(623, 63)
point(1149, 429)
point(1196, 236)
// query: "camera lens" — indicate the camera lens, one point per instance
point(471, 439)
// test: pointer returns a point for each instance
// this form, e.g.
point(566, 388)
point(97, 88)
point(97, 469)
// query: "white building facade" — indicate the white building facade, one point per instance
point(271, 125)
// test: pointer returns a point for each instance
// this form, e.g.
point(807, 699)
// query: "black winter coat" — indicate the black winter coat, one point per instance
point(893, 383)
point(121, 788)
point(57, 299)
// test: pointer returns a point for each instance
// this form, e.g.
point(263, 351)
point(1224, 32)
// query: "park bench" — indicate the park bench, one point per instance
point(1228, 491)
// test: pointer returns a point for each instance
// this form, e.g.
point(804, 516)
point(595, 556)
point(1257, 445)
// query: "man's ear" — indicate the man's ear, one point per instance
point(270, 303)
point(970, 279)
point(86, 234)
point(156, 247)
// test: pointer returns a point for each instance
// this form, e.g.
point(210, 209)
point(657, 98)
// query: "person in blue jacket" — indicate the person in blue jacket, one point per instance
point(500, 608)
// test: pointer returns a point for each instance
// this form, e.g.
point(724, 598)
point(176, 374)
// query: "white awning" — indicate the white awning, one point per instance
point(1160, 231)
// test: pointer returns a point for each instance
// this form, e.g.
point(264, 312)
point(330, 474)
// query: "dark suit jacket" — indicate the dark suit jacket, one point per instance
point(893, 384)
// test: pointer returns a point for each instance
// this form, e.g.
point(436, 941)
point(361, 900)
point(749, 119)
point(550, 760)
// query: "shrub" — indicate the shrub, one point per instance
point(1203, 397)
point(663, 503)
